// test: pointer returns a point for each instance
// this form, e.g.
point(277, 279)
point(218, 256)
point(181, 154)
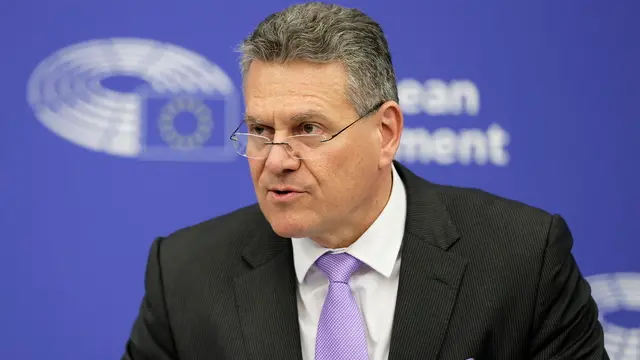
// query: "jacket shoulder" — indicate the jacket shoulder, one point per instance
point(464, 201)
point(217, 240)
point(478, 214)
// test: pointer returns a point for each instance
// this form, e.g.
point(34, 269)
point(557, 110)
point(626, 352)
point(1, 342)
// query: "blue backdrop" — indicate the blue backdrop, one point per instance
point(536, 101)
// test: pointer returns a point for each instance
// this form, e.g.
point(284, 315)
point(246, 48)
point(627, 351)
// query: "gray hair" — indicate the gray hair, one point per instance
point(322, 33)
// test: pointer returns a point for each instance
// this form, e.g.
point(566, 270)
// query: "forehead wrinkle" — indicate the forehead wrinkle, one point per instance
point(307, 115)
point(293, 119)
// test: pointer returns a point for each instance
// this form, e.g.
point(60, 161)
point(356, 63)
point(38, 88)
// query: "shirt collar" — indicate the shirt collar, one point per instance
point(378, 247)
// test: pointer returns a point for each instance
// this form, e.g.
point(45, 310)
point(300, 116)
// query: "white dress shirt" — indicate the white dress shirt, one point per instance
point(374, 285)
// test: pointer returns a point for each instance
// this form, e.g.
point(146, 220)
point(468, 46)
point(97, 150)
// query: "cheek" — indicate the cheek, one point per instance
point(339, 174)
point(358, 169)
point(255, 168)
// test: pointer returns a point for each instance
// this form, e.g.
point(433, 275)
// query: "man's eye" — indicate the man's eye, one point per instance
point(256, 129)
point(309, 128)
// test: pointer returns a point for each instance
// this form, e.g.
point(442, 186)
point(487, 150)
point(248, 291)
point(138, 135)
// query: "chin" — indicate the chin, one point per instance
point(288, 224)
point(288, 228)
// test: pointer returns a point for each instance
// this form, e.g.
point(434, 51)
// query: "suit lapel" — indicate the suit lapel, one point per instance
point(429, 275)
point(267, 299)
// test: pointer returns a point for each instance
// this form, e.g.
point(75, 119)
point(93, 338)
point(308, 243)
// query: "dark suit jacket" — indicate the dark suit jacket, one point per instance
point(481, 276)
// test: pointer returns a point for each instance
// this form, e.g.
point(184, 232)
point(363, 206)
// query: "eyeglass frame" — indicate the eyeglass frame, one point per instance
point(370, 112)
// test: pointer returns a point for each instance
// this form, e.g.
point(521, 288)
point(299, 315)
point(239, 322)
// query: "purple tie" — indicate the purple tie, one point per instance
point(341, 331)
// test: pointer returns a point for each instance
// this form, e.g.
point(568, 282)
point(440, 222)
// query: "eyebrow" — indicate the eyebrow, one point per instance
point(295, 119)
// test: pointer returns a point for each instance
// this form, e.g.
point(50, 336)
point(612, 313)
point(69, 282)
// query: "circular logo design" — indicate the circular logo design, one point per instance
point(186, 105)
point(66, 94)
point(614, 293)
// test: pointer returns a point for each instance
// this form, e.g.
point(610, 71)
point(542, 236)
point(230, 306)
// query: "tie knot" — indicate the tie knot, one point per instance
point(338, 267)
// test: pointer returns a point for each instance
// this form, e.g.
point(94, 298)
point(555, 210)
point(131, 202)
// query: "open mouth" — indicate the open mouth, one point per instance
point(284, 195)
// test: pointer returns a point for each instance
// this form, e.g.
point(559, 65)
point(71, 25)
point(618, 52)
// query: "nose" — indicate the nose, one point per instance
point(279, 159)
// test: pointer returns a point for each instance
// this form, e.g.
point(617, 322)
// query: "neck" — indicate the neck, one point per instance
point(361, 219)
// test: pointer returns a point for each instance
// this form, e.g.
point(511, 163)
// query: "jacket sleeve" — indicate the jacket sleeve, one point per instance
point(151, 337)
point(566, 324)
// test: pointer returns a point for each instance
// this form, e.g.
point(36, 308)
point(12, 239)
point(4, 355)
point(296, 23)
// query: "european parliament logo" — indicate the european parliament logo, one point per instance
point(184, 127)
point(618, 299)
point(183, 112)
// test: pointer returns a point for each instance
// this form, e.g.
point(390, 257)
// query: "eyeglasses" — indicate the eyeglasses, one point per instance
point(303, 146)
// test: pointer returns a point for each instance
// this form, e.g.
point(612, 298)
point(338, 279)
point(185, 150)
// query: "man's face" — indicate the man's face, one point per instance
point(330, 188)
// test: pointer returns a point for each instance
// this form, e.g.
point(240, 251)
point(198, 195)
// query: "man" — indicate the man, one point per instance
point(349, 255)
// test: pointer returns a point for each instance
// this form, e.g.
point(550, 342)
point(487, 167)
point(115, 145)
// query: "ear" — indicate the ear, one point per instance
point(390, 127)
